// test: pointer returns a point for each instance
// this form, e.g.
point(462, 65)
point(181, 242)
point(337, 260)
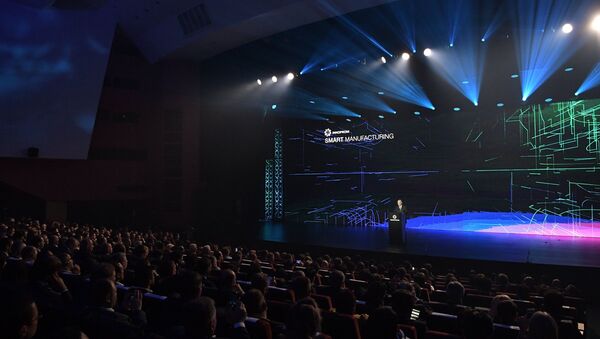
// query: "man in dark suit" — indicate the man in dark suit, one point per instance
point(397, 223)
point(101, 320)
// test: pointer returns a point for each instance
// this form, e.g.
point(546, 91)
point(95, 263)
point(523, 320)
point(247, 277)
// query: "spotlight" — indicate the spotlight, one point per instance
point(273, 107)
point(405, 56)
point(595, 25)
point(451, 45)
point(259, 82)
point(427, 52)
point(567, 28)
point(274, 78)
point(383, 60)
point(290, 76)
point(482, 39)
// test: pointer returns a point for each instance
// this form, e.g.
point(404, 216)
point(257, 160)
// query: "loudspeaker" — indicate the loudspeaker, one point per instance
point(33, 152)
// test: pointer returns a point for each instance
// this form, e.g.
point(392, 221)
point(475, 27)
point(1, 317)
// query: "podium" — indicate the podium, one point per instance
point(396, 231)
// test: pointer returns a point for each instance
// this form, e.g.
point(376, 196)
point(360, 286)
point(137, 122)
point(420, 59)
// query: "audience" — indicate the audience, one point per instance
point(70, 280)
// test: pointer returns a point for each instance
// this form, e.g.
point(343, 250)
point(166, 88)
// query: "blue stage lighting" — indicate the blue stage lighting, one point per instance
point(405, 56)
point(312, 102)
point(569, 69)
point(273, 107)
point(465, 82)
point(259, 82)
point(274, 79)
point(591, 81)
point(500, 104)
point(451, 45)
point(567, 28)
point(383, 60)
point(548, 100)
point(290, 76)
point(514, 76)
point(541, 52)
point(456, 109)
point(380, 93)
point(348, 120)
point(380, 116)
point(427, 52)
point(345, 97)
point(417, 113)
point(482, 39)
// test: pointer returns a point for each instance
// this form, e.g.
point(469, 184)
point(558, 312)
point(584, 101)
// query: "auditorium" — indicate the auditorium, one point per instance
point(300, 169)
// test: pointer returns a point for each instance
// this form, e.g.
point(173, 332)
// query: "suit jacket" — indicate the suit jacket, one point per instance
point(101, 323)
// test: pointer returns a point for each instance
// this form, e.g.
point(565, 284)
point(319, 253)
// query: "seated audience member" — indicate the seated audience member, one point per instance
point(303, 320)
point(229, 290)
point(345, 302)
point(144, 278)
point(494, 304)
point(101, 320)
point(375, 295)
point(553, 304)
point(502, 282)
point(29, 254)
point(403, 303)
point(256, 305)
point(68, 265)
point(506, 313)
point(302, 287)
point(85, 257)
point(542, 326)
point(455, 293)
point(260, 282)
point(476, 324)
point(104, 271)
point(382, 324)
point(200, 321)
point(337, 282)
point(18, 314)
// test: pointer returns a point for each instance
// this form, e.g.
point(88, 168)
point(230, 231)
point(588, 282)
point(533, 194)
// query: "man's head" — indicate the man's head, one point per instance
point(19, 314)
point(476, 324)
point(337, 279)
point(200, 318)
point(103, 293)
point(455, 292)
point(256, 304)
point(302, 287)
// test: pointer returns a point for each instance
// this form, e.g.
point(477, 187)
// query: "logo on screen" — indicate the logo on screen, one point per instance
point(327, 132)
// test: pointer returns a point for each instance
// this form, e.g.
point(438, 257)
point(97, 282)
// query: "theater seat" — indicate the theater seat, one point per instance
point(258, 328)
point(280, 294)
point(443, 322)
point(340, 326)
point(440, 335)
point(505, 332)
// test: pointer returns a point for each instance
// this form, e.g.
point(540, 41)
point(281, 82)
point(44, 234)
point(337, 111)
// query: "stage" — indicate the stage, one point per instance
point(493, 236)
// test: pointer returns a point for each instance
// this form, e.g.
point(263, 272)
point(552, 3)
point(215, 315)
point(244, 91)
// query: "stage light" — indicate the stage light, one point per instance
point(274, 78)
point(568, 69)
point(514, 76)
point(500, 104)
point(548, 100)
point(383, 60)
point(312, 102)
point(476, 103)
point(290, 76)
point(595, 25)
point(380, 116)
point(567, 28)
point(380, 93)
point(273, 107)
point(451, 45)
point(345, 98)
point(405, 56)
point(348, 120)
point(456, 109)
point(465, 82)
point(427, 52)
point(259, 82)
point(394, 112)
point(417, 113)
point(482, 39)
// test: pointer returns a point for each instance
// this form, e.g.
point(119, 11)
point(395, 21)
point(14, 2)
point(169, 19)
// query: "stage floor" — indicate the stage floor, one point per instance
point(510, 237)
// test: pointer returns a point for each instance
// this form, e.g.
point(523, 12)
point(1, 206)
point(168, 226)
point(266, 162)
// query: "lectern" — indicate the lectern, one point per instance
point(396, 232)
